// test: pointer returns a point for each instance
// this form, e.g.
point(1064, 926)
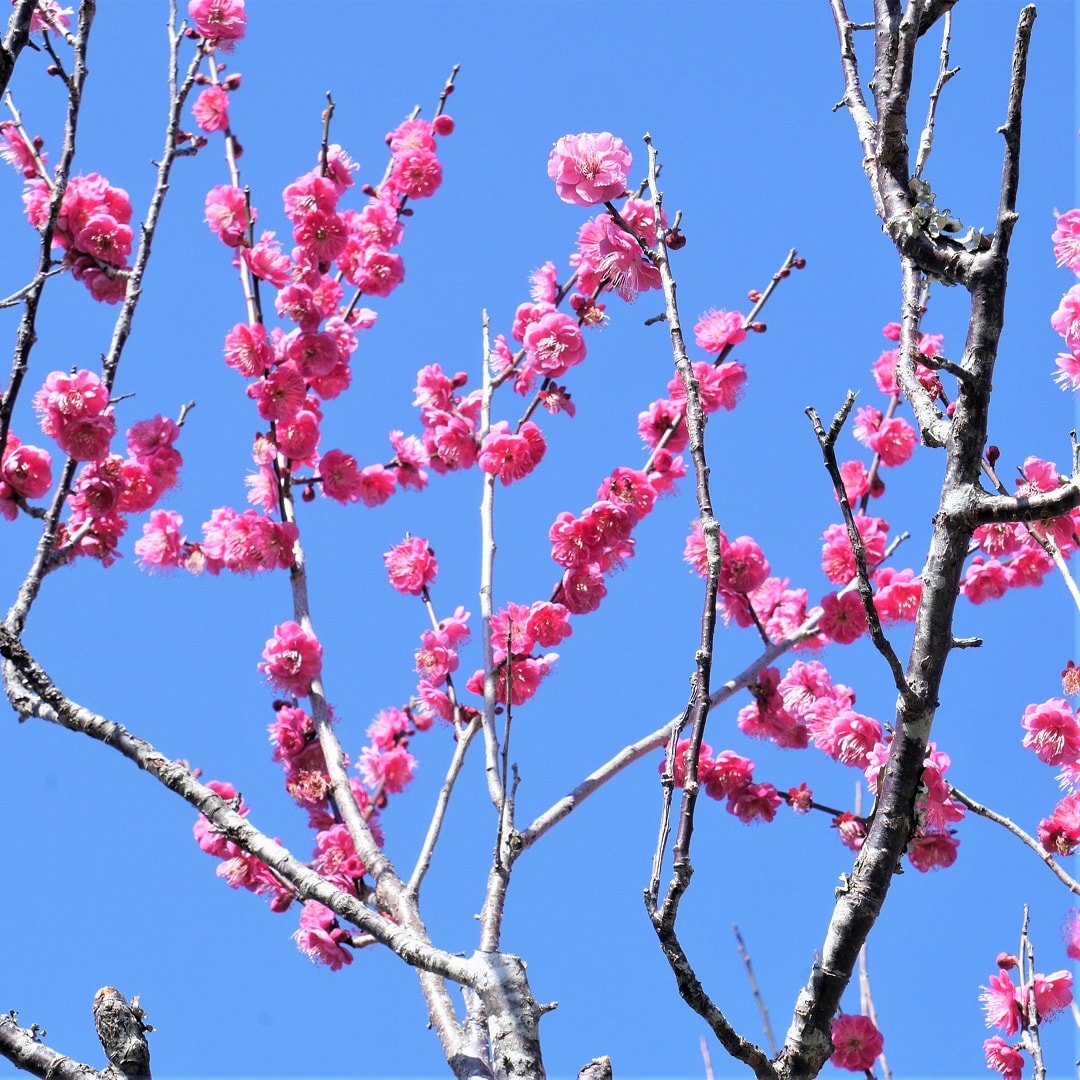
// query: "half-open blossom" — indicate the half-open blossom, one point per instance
point(1003, 1058)
point(320, 938)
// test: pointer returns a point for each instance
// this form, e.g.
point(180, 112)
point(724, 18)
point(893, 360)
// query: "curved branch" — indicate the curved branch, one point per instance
point(1026, 839)
point(38, 696)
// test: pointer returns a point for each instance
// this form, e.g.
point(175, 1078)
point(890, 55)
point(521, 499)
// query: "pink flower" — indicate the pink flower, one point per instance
point(715, 330)
point(291, 659)
point(378, 272)
point(608, 257)
point(162, 545)
point(631, 489)
point(856, 1042)
point(227, 214)
point(321, 234)
point(589, 168)
point(508, 456)
point(15, 151)
point(545, 283)
point(1003, 1058)
point(390, 770)
point(1059, 834)
point(336, 859)
point(416, 173)
point(266, 260)
point(411, 565)
point(553, 343)
point(1066, 240)
point(984, 580)
point(1067, 375)
point(932, 849)
point(410, 135)
point(894, 440)
point(582, 589)
point(844, 619)
point(720, 387)
point(653, 425)
point(898, 594)
point(26, 469)
point(548, 623)
point(319, 937)
point(1071, 934)
point(510, 632)
point(1052, 993)
point(211, 109)
point(1052, 731)
point(48, 15)
point(220, 21)
point(754, 802)
point(743, 565)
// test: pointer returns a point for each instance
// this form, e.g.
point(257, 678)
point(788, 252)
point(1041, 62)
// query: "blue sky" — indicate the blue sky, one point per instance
point(106, 885)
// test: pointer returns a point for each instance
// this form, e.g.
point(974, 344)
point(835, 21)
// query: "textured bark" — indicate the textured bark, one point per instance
point(513, 1016)
point(121, 1027)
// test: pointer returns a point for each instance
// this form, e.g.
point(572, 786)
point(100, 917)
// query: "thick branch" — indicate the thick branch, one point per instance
point(18, 34)
point(21, 1047)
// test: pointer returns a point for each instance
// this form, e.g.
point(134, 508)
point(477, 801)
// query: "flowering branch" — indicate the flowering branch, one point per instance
point(26, 335)
point(827, 442)
point(984, 273)
point(663, 915)
point(35, 694)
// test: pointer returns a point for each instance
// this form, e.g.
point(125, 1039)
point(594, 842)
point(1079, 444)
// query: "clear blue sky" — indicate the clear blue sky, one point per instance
point(106, 885)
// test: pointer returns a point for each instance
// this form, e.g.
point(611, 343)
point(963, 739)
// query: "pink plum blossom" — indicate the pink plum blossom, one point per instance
point(319, 937)
point(856, 1042)
point(589, 168)
point(716, 330)
point(211, 109)
point(291, 659)
point(511, 456)
point(411, 565)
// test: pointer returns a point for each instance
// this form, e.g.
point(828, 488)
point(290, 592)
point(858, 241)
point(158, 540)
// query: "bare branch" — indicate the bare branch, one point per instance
point(1026, 839)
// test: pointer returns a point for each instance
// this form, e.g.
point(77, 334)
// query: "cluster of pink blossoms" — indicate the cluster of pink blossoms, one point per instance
point(436, 660)
point(237, 867)
point(1052, 730)
point(92, 228)
point(598, 540)
point(1011, 556)
point(74, 410)
point(729, 776)
point(296, 370)
point(239, 543)
point(1008, 1008)
point(1066, 319)
point(516, 631)
point(769, 603)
